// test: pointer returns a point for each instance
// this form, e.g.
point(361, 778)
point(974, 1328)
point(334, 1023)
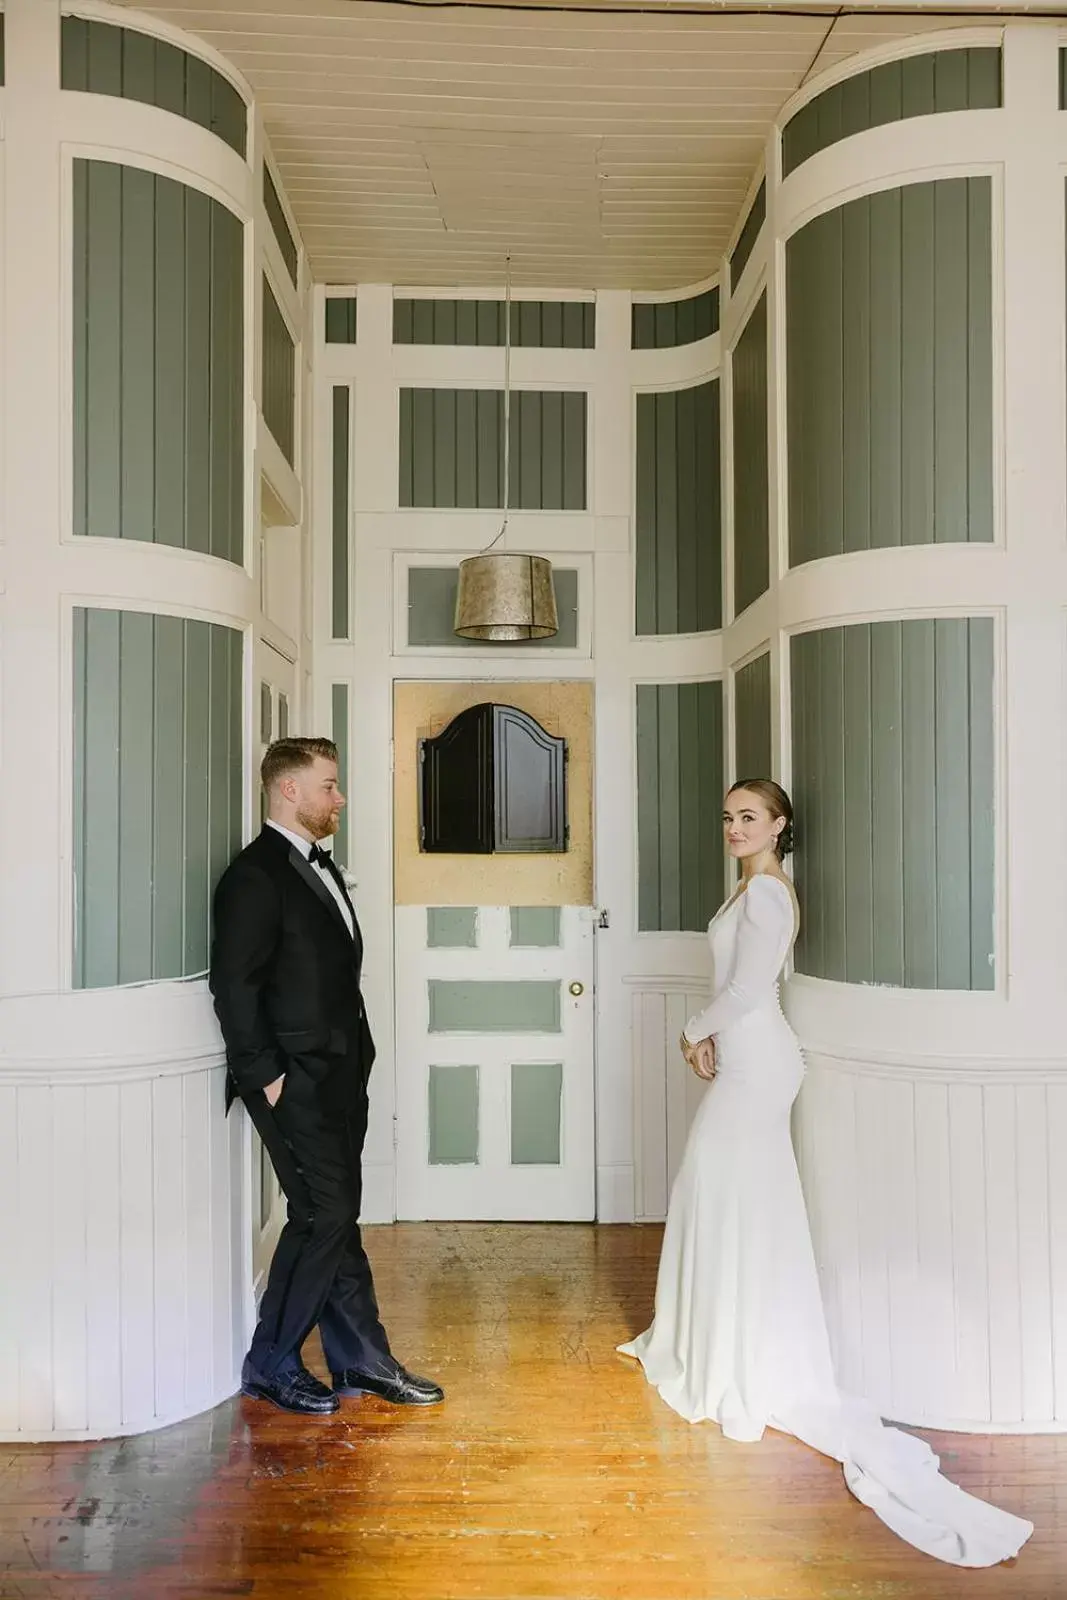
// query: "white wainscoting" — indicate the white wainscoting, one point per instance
point(937, 1193)
point(667, 1091)
point(124, 1198)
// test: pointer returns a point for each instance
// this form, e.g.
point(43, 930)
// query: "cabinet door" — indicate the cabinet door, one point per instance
point(530, 808)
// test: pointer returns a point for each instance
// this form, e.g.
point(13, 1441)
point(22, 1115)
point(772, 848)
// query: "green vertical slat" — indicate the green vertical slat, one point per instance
point(466, 447)
point(685, 323)
point(951, 85)
point(985, 90)
point(444, 448)
point(979, 357)
point(693, 807)
point(339, 734)
point(341, 319)
point(667, 514)
point(170, 354)
point(422, 447)
point(887, 800)
point(917, 85)
point(490, 317)
point(752, 719)
point(856, 104)
point(917, 363)
point(829, 425)
point(574, 326)
point(750, 232)
point(690, 513)
point(648, 898)
point(423, 321)
point(708, 499)
point(229, 114)
point(339, 591)
point(74, 55)
point(646, 468)
point(234, 236)
point(135, 788)
point(526, 324)
point(670, 842)
point(855, 376)
point(170, 78)
point(803, 795)
point(224, 309)
point(489, 408)
point(552, 448)
point(751, 525)
point(920, 798)
point(279, 224)
point(467, 322)
point(444, 329)
point(279, 375)
point(575, 450)
point(79, 803)
point(798, 377)
point(887, 104)
point(886, 395)
point(236, 644)
point(168, 797)
point(526, 450)
point(80, 332)
point(666, 324)
point(104, 340)
point(198, 419)
point(100, 888)
point(198, 97)
point(405, 444)
point(859, 913)
point(951, 816)
point(218, 775)
point(982, 789)
point(832, 815)
point(104, 74)
point(950, 445)
point(197, 740)
point(712, 862)
point(642, 326)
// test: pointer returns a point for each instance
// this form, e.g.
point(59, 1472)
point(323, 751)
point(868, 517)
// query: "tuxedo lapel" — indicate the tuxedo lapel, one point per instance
point(339, 879)
point(315, 883)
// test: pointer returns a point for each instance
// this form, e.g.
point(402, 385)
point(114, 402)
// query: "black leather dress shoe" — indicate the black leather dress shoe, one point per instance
point(298, 1391)
point(393, 1383)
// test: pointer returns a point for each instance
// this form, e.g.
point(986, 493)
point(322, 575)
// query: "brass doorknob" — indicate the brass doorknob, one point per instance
point(577, 989)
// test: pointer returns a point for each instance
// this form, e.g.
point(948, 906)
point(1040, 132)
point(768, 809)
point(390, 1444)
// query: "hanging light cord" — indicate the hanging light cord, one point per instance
point(507, 405)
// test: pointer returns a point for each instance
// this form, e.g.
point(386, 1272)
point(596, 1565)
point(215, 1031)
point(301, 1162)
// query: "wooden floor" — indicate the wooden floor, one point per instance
point(553, 1470)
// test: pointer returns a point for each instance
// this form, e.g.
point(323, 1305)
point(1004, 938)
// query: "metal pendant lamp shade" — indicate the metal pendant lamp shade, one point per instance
point(506, 597)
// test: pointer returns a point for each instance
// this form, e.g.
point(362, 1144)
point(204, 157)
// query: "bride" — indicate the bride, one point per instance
point(739, 1334)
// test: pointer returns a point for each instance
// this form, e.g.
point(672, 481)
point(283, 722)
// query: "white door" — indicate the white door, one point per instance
point(495, 1063)
point(276, 690)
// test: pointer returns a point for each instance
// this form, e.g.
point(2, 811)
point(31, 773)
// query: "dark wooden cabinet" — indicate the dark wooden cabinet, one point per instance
point(493, 781)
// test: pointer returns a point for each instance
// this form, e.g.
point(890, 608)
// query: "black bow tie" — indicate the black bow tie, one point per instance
point(318, 857)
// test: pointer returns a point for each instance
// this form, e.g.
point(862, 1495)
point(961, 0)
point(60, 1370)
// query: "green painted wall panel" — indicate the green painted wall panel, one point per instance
point(750, 232)
point(535, 324)
point(889, 371)
point(536, 1113)
point(279, 376)
point(339, 735)
point(341, 319)
point(432, 611)
point(451, 449)
point(158, 362)
point(99, 58)
point(158, 790)
point(679, 789)
point(752, 719)
point(915, 86)
point(279, 223)
point(665, 324)
point(494, 1005)
point(340, 534)
point(893, 775)
point(751, 505)
point(678, 586)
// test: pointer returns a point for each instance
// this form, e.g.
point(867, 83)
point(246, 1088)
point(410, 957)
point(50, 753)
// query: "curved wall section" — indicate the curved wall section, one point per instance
point(915, 618)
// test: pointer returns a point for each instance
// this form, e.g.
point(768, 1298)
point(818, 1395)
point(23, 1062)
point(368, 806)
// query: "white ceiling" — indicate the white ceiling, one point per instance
point(422, 143)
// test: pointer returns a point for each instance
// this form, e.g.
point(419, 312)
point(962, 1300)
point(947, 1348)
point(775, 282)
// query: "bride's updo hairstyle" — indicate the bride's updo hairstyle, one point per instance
point(778, 804)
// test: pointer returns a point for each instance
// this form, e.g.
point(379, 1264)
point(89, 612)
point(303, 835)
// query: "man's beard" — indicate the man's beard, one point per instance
point(321, 824)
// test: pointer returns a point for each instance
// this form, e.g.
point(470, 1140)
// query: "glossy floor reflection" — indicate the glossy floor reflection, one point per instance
point(553, 1470)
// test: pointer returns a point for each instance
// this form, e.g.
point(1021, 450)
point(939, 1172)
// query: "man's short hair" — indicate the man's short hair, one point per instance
point(286, 756)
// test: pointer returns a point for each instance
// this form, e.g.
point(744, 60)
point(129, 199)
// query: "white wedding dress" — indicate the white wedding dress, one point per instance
point(739, 1334)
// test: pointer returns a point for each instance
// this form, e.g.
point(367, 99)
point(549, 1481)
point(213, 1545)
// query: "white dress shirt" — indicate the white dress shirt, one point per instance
point(304, 846)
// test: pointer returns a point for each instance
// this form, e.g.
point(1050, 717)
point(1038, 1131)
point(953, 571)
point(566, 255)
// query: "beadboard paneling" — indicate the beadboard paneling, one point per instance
point(279, 376)
point(915, 86)
point(887, 900)
point(668, 1092)
point(286, 243)
point(535, 324)
point(340, 512)
point(751, 534)
point(750, 232)
point(681, 868)
point(752, 719)
point(890, 371)
point(158, 736)
point(158, 362)
point(678, 526)
point(451, 449)
point(665, 324)
point(97, 58)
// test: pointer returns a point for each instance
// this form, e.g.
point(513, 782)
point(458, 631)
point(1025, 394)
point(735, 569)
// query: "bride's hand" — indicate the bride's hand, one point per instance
point(702, 1059)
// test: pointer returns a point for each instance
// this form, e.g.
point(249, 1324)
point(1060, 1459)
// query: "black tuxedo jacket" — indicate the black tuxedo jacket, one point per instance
point(285, 975)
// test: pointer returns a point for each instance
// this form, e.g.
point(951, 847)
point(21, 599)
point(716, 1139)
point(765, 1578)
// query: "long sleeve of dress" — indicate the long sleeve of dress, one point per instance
point(765, 917)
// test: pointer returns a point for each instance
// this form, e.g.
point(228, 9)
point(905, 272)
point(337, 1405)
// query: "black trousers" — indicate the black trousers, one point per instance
point(320, 1273)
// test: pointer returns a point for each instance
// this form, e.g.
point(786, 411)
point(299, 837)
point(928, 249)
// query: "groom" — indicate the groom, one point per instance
point(285, 972)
